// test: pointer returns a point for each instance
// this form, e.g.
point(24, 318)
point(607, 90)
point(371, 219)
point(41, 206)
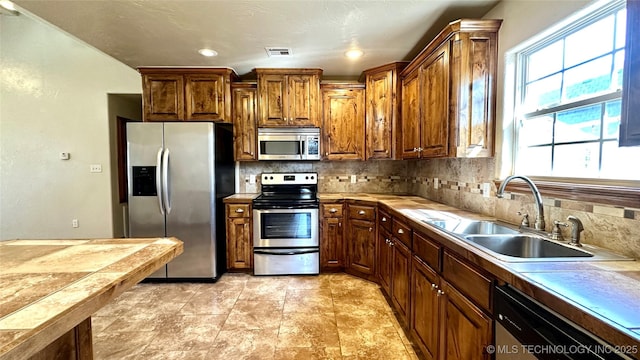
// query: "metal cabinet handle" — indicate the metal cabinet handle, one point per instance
point(252, 153)
point(434, 287)
point(333, 210)
point(400, 231)
point(239, 211)
point(370, 229)
point(384, 219)
point(440, 293)
point(361, 212)
point(339, 224)
point(386, 241)
point(392, 243)
point(326, 154)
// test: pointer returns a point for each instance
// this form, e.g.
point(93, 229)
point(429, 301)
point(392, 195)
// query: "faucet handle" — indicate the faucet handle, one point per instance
point(556, 234)
point(525, 219)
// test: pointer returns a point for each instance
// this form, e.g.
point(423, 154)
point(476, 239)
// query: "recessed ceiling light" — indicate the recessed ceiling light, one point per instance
point(208, 52)
point(354, 53)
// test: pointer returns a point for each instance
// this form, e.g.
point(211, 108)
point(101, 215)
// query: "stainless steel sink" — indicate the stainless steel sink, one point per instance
point(469, 227)
point(526, 246)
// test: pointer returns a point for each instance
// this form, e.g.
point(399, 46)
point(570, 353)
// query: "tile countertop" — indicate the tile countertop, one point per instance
point(50, 286)
point(601, 296)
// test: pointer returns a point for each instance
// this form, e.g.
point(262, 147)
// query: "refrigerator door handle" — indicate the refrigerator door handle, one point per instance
point(159, 180)
point(165, 181)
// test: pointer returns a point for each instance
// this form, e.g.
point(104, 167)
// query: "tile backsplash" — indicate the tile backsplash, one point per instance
point(461, 183)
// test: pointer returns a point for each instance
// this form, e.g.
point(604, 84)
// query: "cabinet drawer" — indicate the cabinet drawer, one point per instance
point(402, 232)
point(427, 250)
point(238, 210)
point(466, 279)
point(331, 210)
point(385, 220)
point(362, 212)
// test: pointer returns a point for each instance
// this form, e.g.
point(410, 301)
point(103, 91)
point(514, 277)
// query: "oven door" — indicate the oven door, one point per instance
point(278, 228)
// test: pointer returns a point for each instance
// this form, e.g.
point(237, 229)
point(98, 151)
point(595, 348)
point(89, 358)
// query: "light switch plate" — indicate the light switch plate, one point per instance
point(435, 183)
point(486, 190)
point(252, 179)
point(353, 179)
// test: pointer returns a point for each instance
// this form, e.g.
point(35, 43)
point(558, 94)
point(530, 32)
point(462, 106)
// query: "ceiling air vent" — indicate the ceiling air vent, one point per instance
point(278, 51)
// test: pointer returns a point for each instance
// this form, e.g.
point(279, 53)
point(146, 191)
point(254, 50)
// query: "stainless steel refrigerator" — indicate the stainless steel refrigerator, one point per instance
point(178, 175)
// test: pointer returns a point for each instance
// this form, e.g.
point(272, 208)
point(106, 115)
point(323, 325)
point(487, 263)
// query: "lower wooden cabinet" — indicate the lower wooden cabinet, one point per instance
point(445, 324)
point(331, 237)
point(361, 241)
point(239, 237)
point(385, 257)
point(401, 273)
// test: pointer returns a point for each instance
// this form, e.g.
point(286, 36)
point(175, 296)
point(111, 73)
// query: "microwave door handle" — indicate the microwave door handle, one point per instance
point(159, 180)
point(302, 149)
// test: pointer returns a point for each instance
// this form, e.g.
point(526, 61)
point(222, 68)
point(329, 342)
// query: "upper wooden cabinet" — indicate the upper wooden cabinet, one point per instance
point(289, 97)
point(343, 134)
point(382, 120)
point(449, 93)
point(630, 121)
point(192, 94)
point(244, 121)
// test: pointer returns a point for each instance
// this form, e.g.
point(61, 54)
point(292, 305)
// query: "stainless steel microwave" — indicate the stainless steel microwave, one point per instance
point(288, 143)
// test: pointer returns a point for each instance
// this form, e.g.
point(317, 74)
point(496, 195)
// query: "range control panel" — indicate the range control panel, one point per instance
point(289, 178)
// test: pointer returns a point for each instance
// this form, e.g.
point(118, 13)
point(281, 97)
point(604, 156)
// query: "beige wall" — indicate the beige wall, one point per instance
point(53, 98)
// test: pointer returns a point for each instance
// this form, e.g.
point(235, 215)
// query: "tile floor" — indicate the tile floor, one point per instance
point(332, 316)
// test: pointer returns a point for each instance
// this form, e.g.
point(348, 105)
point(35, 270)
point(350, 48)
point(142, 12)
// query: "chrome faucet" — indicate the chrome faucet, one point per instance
point(576, 228)
point(539, 224)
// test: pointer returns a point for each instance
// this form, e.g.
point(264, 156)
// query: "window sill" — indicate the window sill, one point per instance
point(624, 196)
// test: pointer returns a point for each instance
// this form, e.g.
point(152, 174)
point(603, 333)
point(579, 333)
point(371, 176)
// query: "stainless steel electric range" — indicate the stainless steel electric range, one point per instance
point(285, 225)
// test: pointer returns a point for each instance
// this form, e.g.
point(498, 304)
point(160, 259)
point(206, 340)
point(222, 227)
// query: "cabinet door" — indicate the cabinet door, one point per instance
point(272, 92)
point(425, 308)
point(379, 103)
point(343, 124)
point(303, 100)
point(410, 116)
point(239, 245)
point(204, 95)
point(383, 266)
point(244, 123)
point(361, 248)
point(630, 120)
point(401, 273)
point(473, 65)
point(163, 97)
point(434, 103)
point(331, 250)
point(465, 328)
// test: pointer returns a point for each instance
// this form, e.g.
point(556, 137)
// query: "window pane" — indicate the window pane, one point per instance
point(576, 160)
point(545, 61)
point(534, 161)
point(612, 120)
point(543, 93)
point(589, 42)
point(618, 66)
point(615, 162)
point(578, 124)
point(536, 131)
point(621, 28)
point(588, 79)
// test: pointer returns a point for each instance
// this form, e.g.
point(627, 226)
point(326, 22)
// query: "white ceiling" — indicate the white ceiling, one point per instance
point(169, 33)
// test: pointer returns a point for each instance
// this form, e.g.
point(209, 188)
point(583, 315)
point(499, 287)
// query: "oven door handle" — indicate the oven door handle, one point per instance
point(286, 252)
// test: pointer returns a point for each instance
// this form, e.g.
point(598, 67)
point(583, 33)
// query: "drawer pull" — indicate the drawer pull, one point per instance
point(361, 212)
point(239, 211)
point(434, 287)
point(370, 229)
point(440, 293)
point(384, 219)
point(400, 231)
point(333, 210)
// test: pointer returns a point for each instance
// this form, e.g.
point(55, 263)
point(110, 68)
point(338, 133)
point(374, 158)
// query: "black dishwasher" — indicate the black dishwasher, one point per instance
point(526, 329)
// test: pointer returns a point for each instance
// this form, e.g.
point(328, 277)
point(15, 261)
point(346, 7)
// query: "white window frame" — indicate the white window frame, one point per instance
point(515, 74)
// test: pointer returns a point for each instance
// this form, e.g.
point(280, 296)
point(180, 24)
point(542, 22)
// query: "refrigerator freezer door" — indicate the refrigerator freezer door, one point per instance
point(191, 189)
point(144, 141)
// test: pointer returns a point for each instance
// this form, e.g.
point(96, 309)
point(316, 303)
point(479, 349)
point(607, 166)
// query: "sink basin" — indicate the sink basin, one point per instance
point(468, 227)
point(525, 246)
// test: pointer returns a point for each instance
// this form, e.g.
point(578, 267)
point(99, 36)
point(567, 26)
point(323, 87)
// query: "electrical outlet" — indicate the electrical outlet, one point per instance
point(353, 179)
point(486, 190)
point(435, 183)
point(95, 168)
point(75, 223)
point(252, 179)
